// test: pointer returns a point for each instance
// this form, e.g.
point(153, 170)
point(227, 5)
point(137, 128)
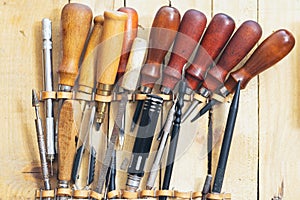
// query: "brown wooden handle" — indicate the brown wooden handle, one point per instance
point(214, 39)
point(75, 23)
point(88, 70)
point(238, 47)
point(111, 45)
point(269, 52)
point(67, 131)
point(189, 33)
point(162, 35)
point(131, 28)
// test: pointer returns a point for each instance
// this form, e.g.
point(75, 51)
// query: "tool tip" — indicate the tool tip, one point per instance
point(98, 126)
point(35, 100)
point(132, 127)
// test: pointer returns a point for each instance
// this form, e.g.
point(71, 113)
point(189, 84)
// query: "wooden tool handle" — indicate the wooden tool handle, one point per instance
point(134, 64)
point(88, 69)
point(131, 27)
point(162, 35)
point(238, 47)
point(111, 45)
point(214, 39)
point(188, 36)
point(75, 22)
point(269, 52)
point(67, 131)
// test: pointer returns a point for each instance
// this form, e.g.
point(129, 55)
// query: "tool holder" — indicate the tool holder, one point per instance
point(123, 194)
point(131, 97)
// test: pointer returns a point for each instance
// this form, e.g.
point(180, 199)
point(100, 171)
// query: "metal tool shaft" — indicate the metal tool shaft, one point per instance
point(41, 141)
point(219, 177)
point(48, 86)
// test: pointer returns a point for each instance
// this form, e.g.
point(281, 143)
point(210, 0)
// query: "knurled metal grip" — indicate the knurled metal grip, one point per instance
point(146, 130)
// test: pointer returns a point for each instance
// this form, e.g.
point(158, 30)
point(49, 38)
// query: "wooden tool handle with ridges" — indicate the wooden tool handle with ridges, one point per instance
point(111, 45)
point(190, 30)
point(67, 131)
point(131, 27)
point(268, 53)
point(238, 47)
point(134, 64)
point(88, 70)
point(75, 24)
point(162, 35)
point(214, 39)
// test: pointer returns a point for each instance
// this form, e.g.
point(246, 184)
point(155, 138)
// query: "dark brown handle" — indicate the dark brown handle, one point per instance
point(214, 39)
point(163, 32)
point(75, 23)
point(269, 52)
point(131, 27)
point(238, 47)
point(188, 36)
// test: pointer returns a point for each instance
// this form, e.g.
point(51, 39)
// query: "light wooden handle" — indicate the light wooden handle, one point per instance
point(75, 23)
point(111, 46)
point(66, 141)
point(88, 69)
point(134, 64)
point(131, 28)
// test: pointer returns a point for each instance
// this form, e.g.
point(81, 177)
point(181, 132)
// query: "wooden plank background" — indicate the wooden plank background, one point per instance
point(265, 148)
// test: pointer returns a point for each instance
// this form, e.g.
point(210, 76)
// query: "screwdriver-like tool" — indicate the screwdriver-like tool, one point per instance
point(162, 35)
point(76, 20)
point(228, 134)
point(243, 40)
point(174, 138)
point(214, 39)
point(41, 142)
point(108, 58)
point(48, 86)
point(85, 158)
point(131, 28)
point(269, 52)
point(186, 41)
point(87, 76)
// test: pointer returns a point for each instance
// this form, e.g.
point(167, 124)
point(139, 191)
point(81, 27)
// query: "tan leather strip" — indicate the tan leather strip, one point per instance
point(64, 192)
point(218, 97)
point(81, 194)
point(96, 195)
point(166, 193)
point(102, 98)
point(144, 96)
point(129, 195)
point(199, 97)
point(196, 195)
point(182, 195)
point(218, 196)
point(147, 193)
point(114, 194)
point(83, 96)
point(64, 95)
point(47, 95)
point(44, 193)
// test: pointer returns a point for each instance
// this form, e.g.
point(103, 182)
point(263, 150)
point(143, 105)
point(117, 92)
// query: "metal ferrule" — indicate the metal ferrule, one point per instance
point(224, 92)
point(145, 90)
point(165, 90)
point(104, 90)
point(133, 182)
point(63, 184)
point(64, 88)
point(204, 92)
